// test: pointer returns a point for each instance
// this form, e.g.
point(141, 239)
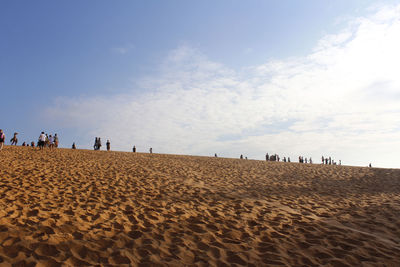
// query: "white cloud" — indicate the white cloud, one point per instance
point(342, 100)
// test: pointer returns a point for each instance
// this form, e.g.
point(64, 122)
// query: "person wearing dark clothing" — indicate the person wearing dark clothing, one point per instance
point(267, 157)
point(14, 140)
point(108, 144)
point(134, 149)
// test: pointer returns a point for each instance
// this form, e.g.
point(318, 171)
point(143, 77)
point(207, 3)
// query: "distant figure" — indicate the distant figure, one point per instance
point(95, 143)
point(323, 160)
point(24, 144)
point(241, 156)
point(98, 143)
point(215, 155)
point(288, 159)
point(277, 157)
point(310, 160)
point(305, 160)
point(2, 139)
point(284, 159)
point(370, 165)
point(326, 161)
point(151, 150)
point(73, 145)
point(46, 141)
point(330, 161)
point(14, 140)
point(267, 157)
point(56, 140)
point(42, 141)
point(32, 144)
point(108, 144)
point(340, 162)
point(51, 142)
point(134, 149)
point(246, 158)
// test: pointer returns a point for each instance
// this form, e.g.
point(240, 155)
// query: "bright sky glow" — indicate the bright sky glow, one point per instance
point(320, 78)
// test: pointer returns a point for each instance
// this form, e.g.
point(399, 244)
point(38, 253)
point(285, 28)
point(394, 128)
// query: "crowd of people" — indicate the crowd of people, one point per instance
point(52, 141)
point(44, 140)
point(302, 159)
point(329, 161)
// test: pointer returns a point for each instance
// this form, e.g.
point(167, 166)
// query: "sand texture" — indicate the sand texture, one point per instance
point(78, 208)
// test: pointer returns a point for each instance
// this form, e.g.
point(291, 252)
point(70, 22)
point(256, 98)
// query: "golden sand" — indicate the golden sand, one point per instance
point(79, 207)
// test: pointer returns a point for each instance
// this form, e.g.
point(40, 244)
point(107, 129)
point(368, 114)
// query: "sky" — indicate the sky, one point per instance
point(295, 78)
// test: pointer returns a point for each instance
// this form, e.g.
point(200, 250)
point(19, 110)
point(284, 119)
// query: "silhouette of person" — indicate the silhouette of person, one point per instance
point(14, 140)
point(215, 155)
point(73, 145)
point(241, 156)
point(267, 157)
point(151, 150)
point(134, 149)
point(108, 144)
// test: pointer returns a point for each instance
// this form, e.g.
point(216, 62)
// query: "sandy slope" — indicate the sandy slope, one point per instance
point(112, 208)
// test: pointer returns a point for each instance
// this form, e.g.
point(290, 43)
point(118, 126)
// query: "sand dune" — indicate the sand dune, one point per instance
point(79, 208)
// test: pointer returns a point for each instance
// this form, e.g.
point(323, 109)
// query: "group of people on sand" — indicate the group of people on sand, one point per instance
point(275, 157)
point(97, 144)
point(305, 160)
point(325, 160)
point(44, 140)
point(329, 161)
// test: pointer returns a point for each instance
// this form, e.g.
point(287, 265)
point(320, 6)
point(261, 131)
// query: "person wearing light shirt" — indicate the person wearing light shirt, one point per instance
point(42, 140)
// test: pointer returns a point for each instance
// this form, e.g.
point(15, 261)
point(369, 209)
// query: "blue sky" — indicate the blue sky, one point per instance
point(295, 78)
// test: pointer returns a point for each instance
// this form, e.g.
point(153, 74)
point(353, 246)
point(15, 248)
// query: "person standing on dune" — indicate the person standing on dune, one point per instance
point(42, 141)
point(14, 140)
point(55, 140)
point(108, 144)
point(2, 139)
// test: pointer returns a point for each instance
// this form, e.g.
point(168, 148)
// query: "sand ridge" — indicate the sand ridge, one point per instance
point(81, 207)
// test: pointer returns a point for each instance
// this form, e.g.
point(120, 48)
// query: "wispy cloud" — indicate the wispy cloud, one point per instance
point(342, 99)
point(123, 49)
